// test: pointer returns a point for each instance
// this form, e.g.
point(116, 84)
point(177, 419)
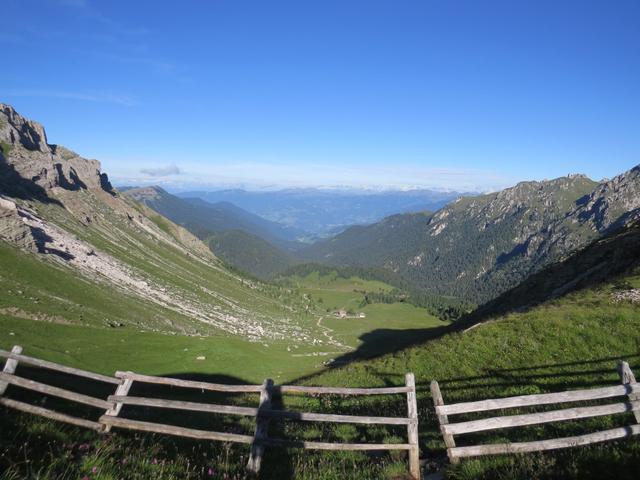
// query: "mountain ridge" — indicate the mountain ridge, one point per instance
point(478, 247)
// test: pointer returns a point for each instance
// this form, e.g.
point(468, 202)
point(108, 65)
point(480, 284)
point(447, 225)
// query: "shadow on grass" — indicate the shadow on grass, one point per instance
point(278, 462)
point(545, 377)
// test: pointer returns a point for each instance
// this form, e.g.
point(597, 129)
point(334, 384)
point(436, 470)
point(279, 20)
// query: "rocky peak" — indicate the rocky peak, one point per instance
point(613, 203)
point(17, 130)
point(28, 162)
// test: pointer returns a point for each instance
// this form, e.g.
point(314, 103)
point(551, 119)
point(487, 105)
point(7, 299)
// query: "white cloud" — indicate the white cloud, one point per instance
point(274, 175)
point(161, 171)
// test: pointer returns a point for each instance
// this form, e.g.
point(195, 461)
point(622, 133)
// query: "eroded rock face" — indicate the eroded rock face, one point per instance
point(614, 203)
point(26, 152)
point(15, 129)
point(12, 228)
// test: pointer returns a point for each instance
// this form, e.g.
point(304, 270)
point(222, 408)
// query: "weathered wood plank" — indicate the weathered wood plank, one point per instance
point(628, 378)
point(626, 374)
point(44, 412)
point(412, 427)
point(228, 437)
point(327, 417)
point(55, 391)
point(443, 420)
point(121, 392)
point(252, 411)
point(276, 442)
point(552, 444)
point(181, 405)
point(262, 428)
point(36, 362)
point(173, 430)
point(10, 367)
point(341, 390)
point(177, 382)
point(257, 388)
point(509, 421)
point(536, 399)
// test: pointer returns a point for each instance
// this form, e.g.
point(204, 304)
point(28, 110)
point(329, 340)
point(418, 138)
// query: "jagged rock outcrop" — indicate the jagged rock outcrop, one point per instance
point(13, 229)
point(613, 203)
point(26, 155)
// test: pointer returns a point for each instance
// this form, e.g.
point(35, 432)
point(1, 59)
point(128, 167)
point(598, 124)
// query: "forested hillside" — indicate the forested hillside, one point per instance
point(478, 247)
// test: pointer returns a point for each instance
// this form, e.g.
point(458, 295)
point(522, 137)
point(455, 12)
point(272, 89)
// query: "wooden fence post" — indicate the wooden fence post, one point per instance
point(262, 426)
point(122, 390)
point(443, 420)
point(412, 428)
point(628, 378)
point(10, 367)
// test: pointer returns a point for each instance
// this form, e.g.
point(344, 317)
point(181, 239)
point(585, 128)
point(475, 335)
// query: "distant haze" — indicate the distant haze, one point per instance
point(257, 176)
point(321, 213)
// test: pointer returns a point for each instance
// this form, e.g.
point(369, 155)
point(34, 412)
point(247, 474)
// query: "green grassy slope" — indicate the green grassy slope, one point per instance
point(573, 341)
point(330, 293)
point(203, 292)
point(63, 318)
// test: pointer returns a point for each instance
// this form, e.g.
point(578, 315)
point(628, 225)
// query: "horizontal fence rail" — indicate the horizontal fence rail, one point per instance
point(264, 413)
point(629, 388)
point(36, 362)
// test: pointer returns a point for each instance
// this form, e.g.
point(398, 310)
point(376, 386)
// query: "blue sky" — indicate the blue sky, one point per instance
point(449, 94)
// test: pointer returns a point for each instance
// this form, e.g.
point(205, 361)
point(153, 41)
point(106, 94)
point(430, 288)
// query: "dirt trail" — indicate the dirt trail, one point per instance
point(330, 339)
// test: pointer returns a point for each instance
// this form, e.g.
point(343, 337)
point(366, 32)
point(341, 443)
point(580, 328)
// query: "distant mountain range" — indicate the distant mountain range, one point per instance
point(242, 239)
point(321, 213)
point(204, 218)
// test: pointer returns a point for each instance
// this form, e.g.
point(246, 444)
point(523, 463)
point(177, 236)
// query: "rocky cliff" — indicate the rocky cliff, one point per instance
point(34, 164)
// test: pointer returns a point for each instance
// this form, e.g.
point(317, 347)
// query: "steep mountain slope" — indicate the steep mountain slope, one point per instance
point(196, 214)
point(245, 241)
point(327, 212)
point(250, 253)
point(616, 254)
point(110, 260)
point(478, 247)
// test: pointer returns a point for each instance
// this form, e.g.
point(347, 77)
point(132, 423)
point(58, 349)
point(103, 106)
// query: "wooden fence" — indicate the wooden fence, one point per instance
point(263, 413)
point(629, 389)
